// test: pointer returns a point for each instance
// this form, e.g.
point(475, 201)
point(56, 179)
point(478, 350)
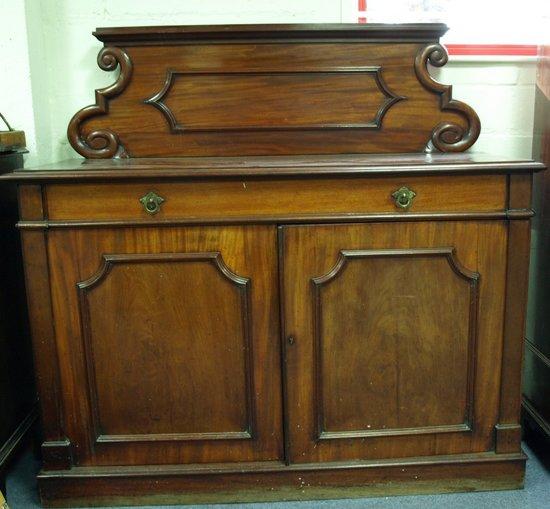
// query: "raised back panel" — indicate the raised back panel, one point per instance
point(386, 321)
point(186, 322)
point(270, 90)
point(292, 100)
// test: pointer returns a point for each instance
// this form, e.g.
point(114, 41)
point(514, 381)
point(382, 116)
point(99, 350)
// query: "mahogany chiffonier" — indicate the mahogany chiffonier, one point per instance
point(275, 276)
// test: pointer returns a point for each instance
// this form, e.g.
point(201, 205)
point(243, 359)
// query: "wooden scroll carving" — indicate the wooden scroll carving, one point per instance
point(446, 136)
point(102, 143)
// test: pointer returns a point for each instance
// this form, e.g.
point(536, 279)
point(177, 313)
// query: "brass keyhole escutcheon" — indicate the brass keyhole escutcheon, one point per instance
point(403, 197)
point(151, 202)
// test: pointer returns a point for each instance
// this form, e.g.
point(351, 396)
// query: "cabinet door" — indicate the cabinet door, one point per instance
point(393, 338)
point(168, 341)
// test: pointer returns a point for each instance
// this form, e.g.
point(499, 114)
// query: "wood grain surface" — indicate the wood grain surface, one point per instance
point(163, 362)
point(394, 338)
point(259, 197)
point(292, 90)
point(279, 329)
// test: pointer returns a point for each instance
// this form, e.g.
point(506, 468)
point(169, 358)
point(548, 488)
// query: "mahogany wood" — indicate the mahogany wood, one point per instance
point(228, 415)
point(261, 90)
point(379, 326)
point(177, 356)
point(280, 328)
point(253, 197)
point(276, 166)
point(351, 31)
point(352, 392)
point(160, 348)
point(56, 449)
point(508, 430)
point(275, 482)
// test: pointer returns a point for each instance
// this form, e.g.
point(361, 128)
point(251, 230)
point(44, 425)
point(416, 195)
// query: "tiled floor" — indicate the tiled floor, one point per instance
point(21, 487)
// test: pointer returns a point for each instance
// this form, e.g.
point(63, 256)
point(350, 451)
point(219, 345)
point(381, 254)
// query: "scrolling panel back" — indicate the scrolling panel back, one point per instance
point(271, 90)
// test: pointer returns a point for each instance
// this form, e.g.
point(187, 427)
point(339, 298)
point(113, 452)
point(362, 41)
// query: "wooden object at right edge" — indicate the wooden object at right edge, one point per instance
point(536, 375)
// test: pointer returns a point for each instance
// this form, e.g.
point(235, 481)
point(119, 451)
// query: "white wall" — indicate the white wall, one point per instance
point(15, 84)
point(502, 92)
point(51, 40)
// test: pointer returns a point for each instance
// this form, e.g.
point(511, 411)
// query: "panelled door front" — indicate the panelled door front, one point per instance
point(383, 326)
point(170, 343)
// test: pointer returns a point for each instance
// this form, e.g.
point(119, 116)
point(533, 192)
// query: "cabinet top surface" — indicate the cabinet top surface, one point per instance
point(262, 166)
point(408, 31)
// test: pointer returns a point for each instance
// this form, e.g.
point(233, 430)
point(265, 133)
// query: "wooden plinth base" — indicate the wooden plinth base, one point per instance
point(85, 486)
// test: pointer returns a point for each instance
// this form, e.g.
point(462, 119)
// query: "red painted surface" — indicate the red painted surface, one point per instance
point(527, 50)
point(524, 50)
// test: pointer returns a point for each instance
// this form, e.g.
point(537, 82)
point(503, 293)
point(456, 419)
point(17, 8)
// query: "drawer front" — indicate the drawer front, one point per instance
point(261, 198)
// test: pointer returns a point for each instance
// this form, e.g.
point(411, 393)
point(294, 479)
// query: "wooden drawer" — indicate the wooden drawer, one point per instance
point(261, 198)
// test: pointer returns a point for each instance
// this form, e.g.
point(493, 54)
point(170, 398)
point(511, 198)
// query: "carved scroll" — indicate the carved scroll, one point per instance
point(446, 136)
point(102, 143)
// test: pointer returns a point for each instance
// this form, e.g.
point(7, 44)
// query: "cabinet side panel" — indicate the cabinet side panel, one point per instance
point(56, 449)
point(508, 434)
